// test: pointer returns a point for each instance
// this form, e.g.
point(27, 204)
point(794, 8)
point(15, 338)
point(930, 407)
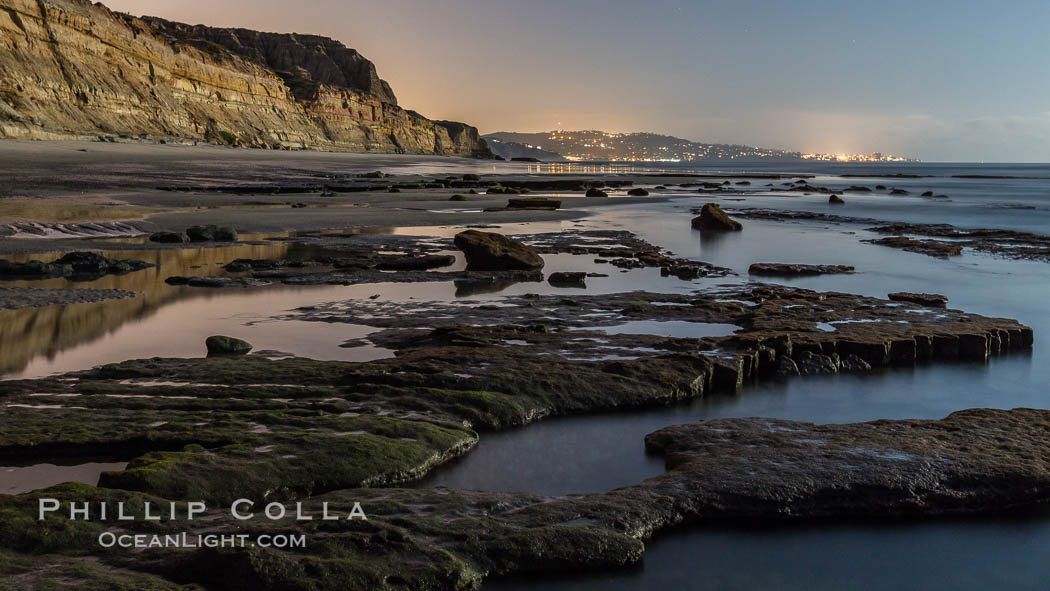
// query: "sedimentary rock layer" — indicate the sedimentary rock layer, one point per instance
point(75, 69)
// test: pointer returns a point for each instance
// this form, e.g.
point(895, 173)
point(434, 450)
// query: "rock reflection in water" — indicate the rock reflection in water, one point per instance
point(39, 341)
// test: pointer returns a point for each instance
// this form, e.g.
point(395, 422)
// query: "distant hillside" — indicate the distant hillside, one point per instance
point(510, 150)
point(598, 145)
point(592, 145)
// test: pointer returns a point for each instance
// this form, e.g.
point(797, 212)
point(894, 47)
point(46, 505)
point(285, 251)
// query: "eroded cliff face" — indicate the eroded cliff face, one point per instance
point(69, 68)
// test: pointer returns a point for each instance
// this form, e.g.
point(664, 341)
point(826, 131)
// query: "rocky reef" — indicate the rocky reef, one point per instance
point(73, 69)
point(313, 432)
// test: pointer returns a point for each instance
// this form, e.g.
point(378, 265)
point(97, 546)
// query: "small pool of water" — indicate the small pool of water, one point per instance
point(22, 479)
point(669, 328)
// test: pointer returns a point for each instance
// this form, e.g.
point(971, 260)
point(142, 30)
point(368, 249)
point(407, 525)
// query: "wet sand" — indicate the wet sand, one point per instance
point(57, 176)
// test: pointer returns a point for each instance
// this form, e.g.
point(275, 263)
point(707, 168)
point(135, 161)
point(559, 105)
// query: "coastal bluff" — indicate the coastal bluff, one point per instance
point(70, 69)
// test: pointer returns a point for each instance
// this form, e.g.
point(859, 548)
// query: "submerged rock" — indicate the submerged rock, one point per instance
point(712, 218)
point(223, 345)
point(931, 300)
point(792, 269)
point(933, 248)
point(488, 251)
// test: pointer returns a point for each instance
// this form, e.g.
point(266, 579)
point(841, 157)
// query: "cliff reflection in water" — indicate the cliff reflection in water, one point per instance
point(28, 333)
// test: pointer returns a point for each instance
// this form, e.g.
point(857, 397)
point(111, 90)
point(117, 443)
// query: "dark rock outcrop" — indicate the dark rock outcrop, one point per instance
point(568, 279)
point(596, 192)
point(836, 200)
point(796, 270)
point(638, 192)
point(712, 218)
point(488, 251)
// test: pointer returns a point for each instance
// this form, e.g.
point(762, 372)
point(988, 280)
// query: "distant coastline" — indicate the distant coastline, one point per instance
point(593, 146)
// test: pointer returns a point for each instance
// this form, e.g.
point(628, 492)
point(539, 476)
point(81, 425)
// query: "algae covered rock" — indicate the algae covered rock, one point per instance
point(488, 251)
point(223, 345)
point(568, 279)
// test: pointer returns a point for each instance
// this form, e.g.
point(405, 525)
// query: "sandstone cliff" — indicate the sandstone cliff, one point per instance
point(70, 68)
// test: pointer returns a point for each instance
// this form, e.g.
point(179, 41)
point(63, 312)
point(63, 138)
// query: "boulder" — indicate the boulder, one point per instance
point(223, 345)
point(853, 363)
point(595, 192)
point(226, 234)
point(458, 198)
point(836, 200)
point(169, 237)
point(638, 193)
point(488, 251)
point(898, 192)
point(930, 300)
point(713, 219)
point(201, 233)
point(568, 279)
point(811, 364)
point(786, 367)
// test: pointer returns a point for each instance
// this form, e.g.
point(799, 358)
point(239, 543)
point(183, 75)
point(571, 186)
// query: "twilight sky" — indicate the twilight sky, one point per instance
point(951, 80)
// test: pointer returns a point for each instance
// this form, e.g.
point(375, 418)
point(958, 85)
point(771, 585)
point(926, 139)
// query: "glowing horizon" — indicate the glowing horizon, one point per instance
point(940, 82)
